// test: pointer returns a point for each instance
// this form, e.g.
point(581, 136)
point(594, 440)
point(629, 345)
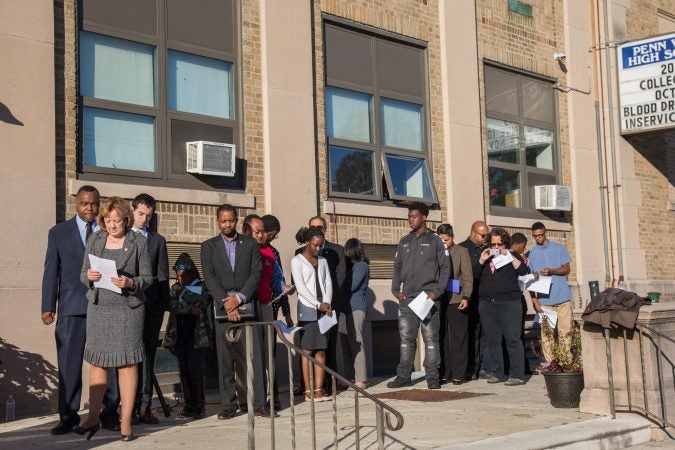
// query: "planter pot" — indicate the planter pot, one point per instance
point(564, 389)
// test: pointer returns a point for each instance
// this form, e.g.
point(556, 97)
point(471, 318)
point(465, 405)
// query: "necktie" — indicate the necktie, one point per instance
point(87, 232)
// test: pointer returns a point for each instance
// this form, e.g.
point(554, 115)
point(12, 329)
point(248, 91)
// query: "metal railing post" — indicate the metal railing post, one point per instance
point(357, 425)
point(311, 400)
point(335, 425)
point(271, 338)
point(291, 396)
point(379, 424)
point(659, 354)
point(644, 376)
point(249, 387)
point(625, 359)
point(610, 374)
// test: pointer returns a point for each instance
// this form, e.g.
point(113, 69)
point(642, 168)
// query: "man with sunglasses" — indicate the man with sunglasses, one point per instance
point(475, 244)
point(551, 259)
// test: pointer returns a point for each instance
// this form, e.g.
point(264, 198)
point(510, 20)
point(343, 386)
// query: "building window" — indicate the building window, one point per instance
point(376, 117)
point(153, 75)
point(522, 144)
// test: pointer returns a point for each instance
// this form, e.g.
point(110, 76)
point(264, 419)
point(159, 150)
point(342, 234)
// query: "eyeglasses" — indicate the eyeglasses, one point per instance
point(538, 235)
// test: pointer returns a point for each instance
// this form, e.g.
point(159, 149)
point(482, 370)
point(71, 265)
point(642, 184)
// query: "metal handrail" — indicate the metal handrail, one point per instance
point(383, 411)
point(654, 336)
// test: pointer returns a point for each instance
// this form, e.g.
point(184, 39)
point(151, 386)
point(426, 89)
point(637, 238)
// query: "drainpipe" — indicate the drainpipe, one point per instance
point(612, 140)
point(603, 187)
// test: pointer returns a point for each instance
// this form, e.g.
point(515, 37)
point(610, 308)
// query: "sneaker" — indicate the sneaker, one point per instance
point(513, 382)
point(433, 383)
point(492, 379)
point(399, 382)
point(483, 375)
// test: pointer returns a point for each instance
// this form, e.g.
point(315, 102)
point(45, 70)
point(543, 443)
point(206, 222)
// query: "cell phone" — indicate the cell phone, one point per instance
point(494, 252)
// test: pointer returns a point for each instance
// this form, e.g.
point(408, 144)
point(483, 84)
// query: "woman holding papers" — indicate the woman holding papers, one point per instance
point(115, 312)
point(500, 308)
point(189, 333)
point(315, 290)
point(355, 310)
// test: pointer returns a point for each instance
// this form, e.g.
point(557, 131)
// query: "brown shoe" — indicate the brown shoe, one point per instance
point(148, 417)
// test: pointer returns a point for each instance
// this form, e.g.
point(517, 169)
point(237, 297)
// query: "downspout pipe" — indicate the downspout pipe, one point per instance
point(612, 140)
point(602, 187)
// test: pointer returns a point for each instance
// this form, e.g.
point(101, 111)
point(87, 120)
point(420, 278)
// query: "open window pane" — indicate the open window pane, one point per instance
point(116, 69)
point(503, 140)
point(539, 148)
point(199, 85)
point(505, 188)
point(119, 140)
point(351, 170)
point(402, 124)
point(409, 177)
point(348, 114)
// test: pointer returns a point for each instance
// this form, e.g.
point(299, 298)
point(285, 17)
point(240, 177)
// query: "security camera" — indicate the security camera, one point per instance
point(560, 57)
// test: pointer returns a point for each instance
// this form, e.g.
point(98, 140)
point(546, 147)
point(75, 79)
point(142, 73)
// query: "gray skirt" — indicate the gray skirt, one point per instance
point(311, 338)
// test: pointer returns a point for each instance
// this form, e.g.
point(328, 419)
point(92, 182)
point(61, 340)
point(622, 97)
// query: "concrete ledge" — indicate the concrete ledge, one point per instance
point(601, 433)
point(362, 210)
point(520, 222)
point(166, 194)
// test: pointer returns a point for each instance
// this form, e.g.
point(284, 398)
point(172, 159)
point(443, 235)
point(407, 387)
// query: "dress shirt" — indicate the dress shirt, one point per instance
point(82, 228)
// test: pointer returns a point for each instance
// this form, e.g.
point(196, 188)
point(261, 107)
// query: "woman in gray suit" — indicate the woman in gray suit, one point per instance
point(115, 321)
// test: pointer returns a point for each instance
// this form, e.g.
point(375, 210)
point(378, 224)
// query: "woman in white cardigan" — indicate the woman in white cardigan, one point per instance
point(313, 283)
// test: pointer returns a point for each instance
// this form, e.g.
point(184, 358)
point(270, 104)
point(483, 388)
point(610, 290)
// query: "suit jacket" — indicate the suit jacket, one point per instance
point(61, 285)
point(218, 274)
point(136, 265)
point(157, 294)
point(461, 270)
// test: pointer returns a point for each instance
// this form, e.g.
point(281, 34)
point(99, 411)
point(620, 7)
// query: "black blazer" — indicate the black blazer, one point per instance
point(157, 295)
point(61, 277)
point(218, 274)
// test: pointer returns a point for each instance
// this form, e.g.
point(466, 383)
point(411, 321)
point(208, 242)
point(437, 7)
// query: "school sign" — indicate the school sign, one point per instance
point(646, 71)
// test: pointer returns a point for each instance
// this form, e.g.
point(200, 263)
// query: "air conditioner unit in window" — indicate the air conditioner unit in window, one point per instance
point(553, 197)
point(211, 158)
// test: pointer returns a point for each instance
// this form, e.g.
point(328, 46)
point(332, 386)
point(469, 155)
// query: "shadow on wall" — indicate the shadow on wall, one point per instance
point(32, 380)
point(657, 149)
point(7, 116)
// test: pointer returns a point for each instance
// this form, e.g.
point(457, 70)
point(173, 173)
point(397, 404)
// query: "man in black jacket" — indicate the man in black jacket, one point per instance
point(156, 301)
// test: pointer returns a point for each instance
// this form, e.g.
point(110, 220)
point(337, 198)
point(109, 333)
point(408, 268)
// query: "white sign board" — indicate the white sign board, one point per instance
point(647, 84)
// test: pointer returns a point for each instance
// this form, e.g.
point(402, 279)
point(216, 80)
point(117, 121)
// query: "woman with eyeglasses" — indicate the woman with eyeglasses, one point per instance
point(500, 307)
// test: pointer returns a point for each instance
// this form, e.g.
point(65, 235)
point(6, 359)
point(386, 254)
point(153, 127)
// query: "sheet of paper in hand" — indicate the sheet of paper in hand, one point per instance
point(421, 305)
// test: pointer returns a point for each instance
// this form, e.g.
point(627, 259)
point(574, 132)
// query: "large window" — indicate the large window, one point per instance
point(376, 117)
point(521, 138)
point(153, 75)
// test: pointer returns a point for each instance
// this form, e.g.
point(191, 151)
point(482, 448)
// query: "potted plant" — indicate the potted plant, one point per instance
point(564, 376)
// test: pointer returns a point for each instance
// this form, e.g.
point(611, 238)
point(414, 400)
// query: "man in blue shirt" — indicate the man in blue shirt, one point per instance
point(551, 259)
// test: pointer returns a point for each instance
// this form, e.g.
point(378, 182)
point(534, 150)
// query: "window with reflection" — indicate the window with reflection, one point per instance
point(520, 138)
point(375, 112)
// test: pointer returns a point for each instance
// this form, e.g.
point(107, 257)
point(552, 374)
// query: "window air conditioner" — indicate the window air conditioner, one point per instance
point(553, 197)
point(211, 158)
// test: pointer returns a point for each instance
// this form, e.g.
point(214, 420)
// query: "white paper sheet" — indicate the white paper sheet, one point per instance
point(108, 270)
point(552, 317)
point(286, 329)
point(524, 279)
point(194, 289)
point(542, 285)
point(421, 305)
point(502, 260)
point(327, 322)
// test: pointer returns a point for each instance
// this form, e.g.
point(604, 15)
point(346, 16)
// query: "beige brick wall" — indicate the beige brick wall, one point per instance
point(411, 18)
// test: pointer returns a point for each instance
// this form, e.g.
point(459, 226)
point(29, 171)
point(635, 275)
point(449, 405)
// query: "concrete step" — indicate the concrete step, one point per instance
point(601, 433)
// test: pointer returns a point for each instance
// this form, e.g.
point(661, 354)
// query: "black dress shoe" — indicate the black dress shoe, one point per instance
point(92, 430)
point(399, 382)
point(457, 382)
point(63, 427)
point(227, 413)
point(112, 425)
point(264, 412)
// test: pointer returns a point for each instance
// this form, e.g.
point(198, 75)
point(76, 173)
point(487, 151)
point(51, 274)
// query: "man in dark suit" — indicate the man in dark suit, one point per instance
point(63, 292)
point(232, 270)
point(337, 266)
point(156, 301)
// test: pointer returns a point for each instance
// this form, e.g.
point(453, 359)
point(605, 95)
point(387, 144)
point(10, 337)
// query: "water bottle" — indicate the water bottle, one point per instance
point(9, 410)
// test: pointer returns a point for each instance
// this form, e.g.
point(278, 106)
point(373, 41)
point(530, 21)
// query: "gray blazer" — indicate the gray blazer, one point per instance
point(136, 265)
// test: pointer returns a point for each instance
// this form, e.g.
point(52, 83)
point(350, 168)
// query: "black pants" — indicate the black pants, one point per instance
point(474, 344)
point(71, 335)
point(231, 358)
point(146, 369)
point(503, 320)
point(456, 343)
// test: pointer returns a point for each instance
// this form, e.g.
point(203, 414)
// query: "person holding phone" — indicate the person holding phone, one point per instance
point(500, 307)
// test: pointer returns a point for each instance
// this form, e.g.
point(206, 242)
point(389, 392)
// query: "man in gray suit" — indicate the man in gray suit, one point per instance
point(156, 301)
point(232, 270)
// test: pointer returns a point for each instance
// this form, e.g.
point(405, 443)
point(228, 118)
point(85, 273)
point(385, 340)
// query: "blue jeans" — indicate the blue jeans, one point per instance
point(408, 324)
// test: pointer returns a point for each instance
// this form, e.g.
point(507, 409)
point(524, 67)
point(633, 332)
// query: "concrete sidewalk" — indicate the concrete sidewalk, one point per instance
point(505, 417)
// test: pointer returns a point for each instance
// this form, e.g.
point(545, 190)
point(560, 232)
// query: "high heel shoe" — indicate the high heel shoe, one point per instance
point(91, 431)
point(126, 437)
